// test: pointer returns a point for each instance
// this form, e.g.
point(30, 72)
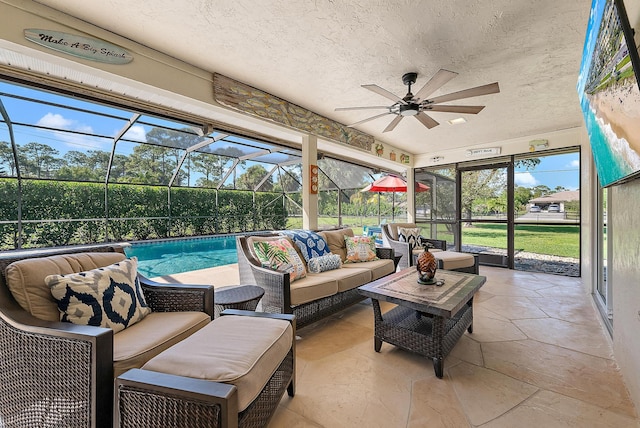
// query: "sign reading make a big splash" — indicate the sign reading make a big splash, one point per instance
point(83, 47)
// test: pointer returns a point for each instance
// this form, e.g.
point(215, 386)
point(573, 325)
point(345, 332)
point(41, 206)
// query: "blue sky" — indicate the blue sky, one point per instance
point(557, 170)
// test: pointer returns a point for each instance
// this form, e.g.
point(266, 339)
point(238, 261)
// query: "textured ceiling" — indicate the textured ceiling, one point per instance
point(318, 53)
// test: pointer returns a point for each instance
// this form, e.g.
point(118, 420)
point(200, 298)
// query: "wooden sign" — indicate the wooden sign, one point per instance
point(82, 47)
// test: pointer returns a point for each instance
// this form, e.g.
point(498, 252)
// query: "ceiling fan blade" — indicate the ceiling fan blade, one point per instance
point(380, 91)
point(454, 109)
point(361, 108)
point(368, 119)
point(426, 120)
point(396, 120)
point(438, 79)
point(491, 88)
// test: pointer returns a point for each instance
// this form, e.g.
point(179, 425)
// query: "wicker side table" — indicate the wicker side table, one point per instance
point(244, 297)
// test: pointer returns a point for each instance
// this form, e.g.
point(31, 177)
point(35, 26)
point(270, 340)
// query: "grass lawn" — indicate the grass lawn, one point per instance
point(561, 240)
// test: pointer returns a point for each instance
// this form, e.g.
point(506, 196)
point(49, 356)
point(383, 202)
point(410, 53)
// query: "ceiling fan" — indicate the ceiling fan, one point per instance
point(417, 105)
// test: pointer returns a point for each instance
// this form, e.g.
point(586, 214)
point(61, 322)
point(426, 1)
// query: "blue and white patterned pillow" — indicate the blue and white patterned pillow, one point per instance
point(108, 297)
point(310, 243)
point(324, 263)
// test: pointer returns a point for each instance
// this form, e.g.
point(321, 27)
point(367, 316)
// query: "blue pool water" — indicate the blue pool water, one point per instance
point(166, 257)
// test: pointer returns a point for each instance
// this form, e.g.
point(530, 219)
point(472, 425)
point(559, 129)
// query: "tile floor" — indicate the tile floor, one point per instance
point(538, 357)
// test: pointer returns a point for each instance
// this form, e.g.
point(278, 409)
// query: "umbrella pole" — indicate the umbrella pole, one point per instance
point(379, 217)
point(393, 206)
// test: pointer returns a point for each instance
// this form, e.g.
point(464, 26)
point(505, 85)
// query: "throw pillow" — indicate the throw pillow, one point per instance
point(360, 249)
point(310, 243)
point(410, 235)
point(324, 263)
point(281, 256)
point(109, 297)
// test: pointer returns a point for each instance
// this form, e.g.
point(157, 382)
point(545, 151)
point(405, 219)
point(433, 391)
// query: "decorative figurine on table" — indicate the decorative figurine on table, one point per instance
point(426, 265)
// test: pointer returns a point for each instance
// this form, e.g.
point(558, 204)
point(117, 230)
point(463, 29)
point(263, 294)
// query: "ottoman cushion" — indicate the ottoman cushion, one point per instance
point(238, 350)
point(454, 260)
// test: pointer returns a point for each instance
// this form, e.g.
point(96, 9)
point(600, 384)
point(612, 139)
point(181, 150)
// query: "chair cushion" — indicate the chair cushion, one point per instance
point(410, 235)
point(25, 279)
point(324, 263)
point(360, 249)
point(108, 296)
point(135, 345)
point(336, 242)
point(315, 286)
point(309, 243)
point(281, 256)
point(242, 351)
point(393, 228)
point(378, 268)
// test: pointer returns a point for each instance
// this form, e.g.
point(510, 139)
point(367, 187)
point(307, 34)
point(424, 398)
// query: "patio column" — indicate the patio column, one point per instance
point(309, 199)
point(411, 196)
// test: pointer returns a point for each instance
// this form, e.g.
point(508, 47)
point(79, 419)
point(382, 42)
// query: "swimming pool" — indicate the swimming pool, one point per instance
point(169, 256)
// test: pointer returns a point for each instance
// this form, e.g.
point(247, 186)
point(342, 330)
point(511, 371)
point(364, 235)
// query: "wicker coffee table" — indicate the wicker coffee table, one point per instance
point(429, 319)
point(244, 297)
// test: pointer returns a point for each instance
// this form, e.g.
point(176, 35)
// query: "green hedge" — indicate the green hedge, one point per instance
point(185, 212)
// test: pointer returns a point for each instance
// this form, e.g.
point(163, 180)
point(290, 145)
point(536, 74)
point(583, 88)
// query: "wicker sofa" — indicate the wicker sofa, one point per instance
point(62, 374)
point(450, 260)
point(319, 294)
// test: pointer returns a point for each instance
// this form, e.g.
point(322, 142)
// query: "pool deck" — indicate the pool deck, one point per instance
point(220, 276)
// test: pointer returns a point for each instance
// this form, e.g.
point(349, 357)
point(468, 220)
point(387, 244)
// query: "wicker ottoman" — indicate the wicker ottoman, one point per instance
point(231, 373)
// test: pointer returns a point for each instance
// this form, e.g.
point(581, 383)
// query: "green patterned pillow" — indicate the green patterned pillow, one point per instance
point(281, 256)
point(108, 297)
point(360, 249)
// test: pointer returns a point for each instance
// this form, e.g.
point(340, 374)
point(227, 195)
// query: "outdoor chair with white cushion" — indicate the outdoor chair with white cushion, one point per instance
point(449, 260)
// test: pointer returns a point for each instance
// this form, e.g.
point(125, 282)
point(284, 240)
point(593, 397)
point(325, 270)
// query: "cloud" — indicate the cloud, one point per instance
point(574, 164)
point(136, 133)
point(58, 121)
point(525, 179)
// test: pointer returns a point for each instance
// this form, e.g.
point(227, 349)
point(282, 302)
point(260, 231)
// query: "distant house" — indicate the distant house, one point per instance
point(559, 198)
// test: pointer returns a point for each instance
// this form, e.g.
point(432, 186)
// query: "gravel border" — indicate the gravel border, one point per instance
point(533, 262)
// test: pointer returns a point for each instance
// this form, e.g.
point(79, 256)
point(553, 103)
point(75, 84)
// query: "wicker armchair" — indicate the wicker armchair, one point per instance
point(61, 374)
point(390, 239)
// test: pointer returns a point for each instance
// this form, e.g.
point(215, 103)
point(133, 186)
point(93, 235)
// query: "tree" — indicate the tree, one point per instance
point(252, 177)
point(480, 184)
point(38, 159)
point(6, 158)
point(522, 196)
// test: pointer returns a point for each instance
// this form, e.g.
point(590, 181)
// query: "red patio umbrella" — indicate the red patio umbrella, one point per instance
point(392, 183)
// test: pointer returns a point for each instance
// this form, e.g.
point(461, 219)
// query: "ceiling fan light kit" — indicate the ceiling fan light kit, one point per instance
point(417, 105)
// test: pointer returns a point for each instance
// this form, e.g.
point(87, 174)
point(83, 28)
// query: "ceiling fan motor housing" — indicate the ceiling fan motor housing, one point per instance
point(410, 109)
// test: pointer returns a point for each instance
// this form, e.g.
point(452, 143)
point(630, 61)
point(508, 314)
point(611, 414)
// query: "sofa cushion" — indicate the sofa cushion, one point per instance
point(348, 279)
point(281, 256)
point(360, 249)
point(336, 242)
point(378, 268)
point(25, 279)
point(135, 345)
point(108, 296)
point(242, 351)
point(324, 263)
point(309, 243)
point(315, 286)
